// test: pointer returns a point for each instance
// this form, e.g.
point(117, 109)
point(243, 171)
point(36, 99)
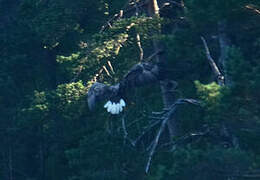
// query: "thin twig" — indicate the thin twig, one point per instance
point(124, 127)
point(104, 67)
point(153, 55)
point(146, 131)
point(185, 137)
point(132, 123)
point(110, 66)
point(125, 132)
point(159, 113)
point(138, 39)
point(157, 118)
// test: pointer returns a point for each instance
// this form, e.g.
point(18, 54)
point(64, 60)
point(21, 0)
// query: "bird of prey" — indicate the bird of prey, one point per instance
point(140, 74)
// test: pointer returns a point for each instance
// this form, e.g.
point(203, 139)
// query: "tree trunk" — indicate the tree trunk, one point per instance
point(224, 44)
point(166, 85)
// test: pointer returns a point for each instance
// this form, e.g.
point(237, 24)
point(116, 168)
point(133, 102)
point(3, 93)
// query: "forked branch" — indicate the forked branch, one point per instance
point(166, 118)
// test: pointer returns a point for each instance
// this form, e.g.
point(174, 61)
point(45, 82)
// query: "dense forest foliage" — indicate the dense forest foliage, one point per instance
point(51, 53)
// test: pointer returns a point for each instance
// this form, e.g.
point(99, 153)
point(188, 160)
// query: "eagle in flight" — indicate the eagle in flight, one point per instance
point(140, 74)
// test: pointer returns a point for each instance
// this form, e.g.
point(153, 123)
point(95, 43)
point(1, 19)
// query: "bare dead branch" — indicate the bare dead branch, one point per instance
point(153, 55)
point(126, 138)
point(146, 131)
point(138, 39)
point(110, 66)
point(167, 117)
point(214, 67)
point(115, 17)
point(185, 138)
point(140, 46)
point(159, 113)
point(124, 127)
point(155, 144)
point(157, 118)
point(135, 121)
point(104, 67)
point(94, 79)
point(252, 8)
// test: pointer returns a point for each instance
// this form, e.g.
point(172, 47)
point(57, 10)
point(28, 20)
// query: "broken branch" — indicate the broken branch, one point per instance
point(214, 67)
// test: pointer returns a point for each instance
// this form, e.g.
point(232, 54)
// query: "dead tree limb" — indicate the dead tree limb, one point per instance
point(252, 8)
point(146, 130)
point(126, 138)
point(111, 67)
point(138, 39)
point(168, 116)
point(153, 55)
point(185, 138)
point(214, 67)
point(156, 140)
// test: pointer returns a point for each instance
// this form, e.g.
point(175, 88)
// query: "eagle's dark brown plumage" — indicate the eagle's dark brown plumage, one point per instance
point(140, 74)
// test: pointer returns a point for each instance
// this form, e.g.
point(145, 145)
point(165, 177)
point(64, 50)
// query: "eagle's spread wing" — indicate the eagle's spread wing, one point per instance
point(99, 92)
point(139, 75)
